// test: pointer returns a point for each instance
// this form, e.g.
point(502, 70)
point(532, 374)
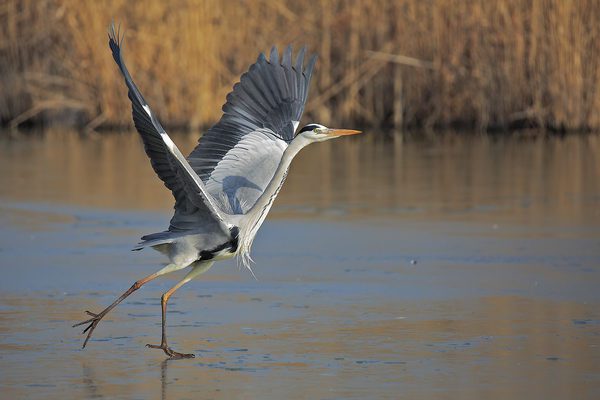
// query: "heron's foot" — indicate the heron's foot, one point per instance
point(170, 352)
point(93, 322)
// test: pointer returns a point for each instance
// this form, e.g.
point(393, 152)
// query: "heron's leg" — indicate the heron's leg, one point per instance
point(197, 269)
point(93, 322)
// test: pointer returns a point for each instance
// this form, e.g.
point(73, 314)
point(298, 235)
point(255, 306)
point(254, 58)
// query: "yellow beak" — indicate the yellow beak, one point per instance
point(343, 132)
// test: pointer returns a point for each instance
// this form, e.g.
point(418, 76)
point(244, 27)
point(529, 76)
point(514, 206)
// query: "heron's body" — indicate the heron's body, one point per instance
point(225, 188)
point(207, 242)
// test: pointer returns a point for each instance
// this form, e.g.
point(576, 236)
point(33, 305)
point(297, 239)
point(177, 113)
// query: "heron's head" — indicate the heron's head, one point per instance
point(320, 133)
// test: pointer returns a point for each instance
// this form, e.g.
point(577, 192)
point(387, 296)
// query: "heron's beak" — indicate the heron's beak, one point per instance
point(342, 132)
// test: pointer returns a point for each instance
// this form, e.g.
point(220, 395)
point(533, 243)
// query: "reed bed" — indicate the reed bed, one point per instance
point(404, 63)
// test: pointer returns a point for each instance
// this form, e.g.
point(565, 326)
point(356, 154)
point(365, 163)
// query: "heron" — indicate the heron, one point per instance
point(225, 188)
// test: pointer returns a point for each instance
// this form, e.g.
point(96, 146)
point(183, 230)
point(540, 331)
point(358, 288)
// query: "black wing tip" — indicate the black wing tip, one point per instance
point(300, 59)
point(274, 57)
point(286, 59)
point(115, 40)
point(114, 35)
point(261, 58)
point(311, 64)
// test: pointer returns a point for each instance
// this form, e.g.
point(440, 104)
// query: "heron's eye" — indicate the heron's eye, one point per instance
point(316, 130)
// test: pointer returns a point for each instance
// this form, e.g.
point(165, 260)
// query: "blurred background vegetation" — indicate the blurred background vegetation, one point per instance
point(389, 63)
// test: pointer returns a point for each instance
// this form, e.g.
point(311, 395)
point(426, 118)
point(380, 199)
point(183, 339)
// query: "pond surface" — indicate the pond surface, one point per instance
point(416, 267)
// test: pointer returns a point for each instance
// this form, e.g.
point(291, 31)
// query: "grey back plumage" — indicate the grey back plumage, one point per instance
point(238, 156)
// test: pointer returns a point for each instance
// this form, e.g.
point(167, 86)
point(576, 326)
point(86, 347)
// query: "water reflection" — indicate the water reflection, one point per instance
point(89, 381)
point(163, 379)
point(503, 300)
point(524, 180)
point(95, 388)
point(504, 346)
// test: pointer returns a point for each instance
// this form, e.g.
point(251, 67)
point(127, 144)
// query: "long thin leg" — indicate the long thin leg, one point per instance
point(197, 269)
point(93, 322)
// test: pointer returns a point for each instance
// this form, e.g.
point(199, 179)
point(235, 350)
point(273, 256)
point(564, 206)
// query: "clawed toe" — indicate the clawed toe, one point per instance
point(175, 355)
point(93, 322)
point(94, 317)
point(170, 352)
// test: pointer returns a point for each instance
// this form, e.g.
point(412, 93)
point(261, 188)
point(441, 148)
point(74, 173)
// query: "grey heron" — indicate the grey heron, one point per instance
point(224, 189)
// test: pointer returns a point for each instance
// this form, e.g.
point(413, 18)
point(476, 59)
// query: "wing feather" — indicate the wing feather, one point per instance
point(243, 174)
point(192, 201)
point(259, 121)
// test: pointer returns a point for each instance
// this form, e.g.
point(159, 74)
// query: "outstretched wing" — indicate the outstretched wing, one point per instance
point(238, 156)
point(193, 204)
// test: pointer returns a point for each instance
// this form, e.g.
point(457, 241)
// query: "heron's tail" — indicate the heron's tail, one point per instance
point(155, 239)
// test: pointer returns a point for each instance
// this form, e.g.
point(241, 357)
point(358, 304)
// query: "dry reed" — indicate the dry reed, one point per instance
point(477, 63)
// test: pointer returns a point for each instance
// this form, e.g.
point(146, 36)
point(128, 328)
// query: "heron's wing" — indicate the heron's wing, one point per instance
point(242, 175)
point(192, 202)
point(259, 120)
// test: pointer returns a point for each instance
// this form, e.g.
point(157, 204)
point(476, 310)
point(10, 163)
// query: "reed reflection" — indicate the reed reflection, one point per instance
point(519, 179)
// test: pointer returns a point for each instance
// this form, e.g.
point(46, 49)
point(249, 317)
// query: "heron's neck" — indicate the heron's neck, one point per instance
point(257, 214)
point(264, 202)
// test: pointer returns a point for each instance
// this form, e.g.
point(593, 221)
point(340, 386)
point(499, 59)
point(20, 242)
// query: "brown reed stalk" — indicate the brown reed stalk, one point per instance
point(495, 64)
